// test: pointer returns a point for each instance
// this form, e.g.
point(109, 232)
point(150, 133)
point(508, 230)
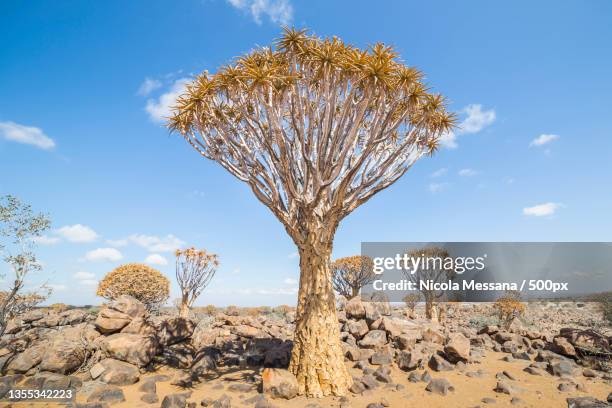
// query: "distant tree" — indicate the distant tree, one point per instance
point(315, 127)
point(352, 273)
point(509, 307)
point(411, 301)
point(19, 228)
point(140, 281)
point(432, 271)
point(194, 270)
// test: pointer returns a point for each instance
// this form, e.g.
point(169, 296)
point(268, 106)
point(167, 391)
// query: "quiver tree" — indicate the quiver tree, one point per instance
point(315, 127)
point(437, 267)
point(352, 273)
point(19, 228)
point(140, 281)
point(194, 270)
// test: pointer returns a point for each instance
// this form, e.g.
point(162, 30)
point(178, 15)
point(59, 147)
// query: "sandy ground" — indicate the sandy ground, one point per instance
point(539, 391)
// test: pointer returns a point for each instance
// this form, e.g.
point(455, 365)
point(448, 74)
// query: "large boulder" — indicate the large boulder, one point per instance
point(63, 356)
point(457, 347)
point(278, 383)
point(374, 339)
point(115, 372)
point(354, 308)
point(357, 328)
point(29, 358)
point(132, 348)
point(173, 330)
point(119, 313)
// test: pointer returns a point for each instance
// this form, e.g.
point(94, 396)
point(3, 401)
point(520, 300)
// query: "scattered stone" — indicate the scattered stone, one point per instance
point(115, 372)
point(440, 386)
point(585, 402)
point(149, 398)
point(110, 394)
point(457, 348)
point(488, 400)
point(438, 363)
point(279, 383)
point(506, 388)
point(374, 339)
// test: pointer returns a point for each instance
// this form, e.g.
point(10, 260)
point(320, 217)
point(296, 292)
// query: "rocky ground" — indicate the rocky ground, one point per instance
point(123, 356)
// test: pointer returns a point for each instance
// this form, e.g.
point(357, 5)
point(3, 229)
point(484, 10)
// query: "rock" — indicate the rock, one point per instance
point(222, 402)
point(406, 341)
point(374, 339)
point(457, 347)
point(433, 336)
point(63, 356)
point(148, 386)
point(109, 393)
point(534, 370)
point(132, 348)
point(354, 308)
point(521, 355)
point(561, 368)
point(388, 325)
point(116, 372)
point(438, 363)
point(178, 400)
point(149, 398)
point(488, 400)
point(440, 386)
point(381, 357)
point(279, 383)
point(30, 358)
point(409, 360)
point(414, 377)
point(357, 387)
point(173, 330)
point(357, 328)
point(585, 402)
point(505, 387)
point(383, 374)
point(119, 313)
point(562, 346)
point(369, 381)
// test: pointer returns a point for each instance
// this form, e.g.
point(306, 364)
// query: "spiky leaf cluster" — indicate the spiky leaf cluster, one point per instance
point(142, 282)
point(313, 124)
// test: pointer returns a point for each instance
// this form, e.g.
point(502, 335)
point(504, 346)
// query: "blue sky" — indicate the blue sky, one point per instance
point(83, 86)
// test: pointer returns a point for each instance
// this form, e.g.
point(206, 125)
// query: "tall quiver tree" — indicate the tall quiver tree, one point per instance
point(315, 127)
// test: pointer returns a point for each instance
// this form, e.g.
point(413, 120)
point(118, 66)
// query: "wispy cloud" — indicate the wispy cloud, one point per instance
point(30, 135)
point(542, 140)
point(83, 275)
point(153, 243)
point(117, 242)
point(160, 109)
point(467, 172)
point(46, 240)
point(104, 255)
point(437, 187)
point(476, 119)
point(278, 11)
point(440, 172)
point(290, 281)
point(77, 233)
point(542, 210)
point(156, 259)
point(148, 86)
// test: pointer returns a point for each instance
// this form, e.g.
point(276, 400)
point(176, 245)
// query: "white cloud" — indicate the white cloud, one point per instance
point(156, 259)
point(278, 11)
point(77, 233)
point(154, 243)
point(46, 240)
point(542, 210)
point(104, 254)
point(148, 86)
point(439, 172)
point(290, 281)
point(542, 140)
point(34, 136)
point(160, 109)
point(476, 120)
point(467, 172)
point(84, 275)
point(437, 187)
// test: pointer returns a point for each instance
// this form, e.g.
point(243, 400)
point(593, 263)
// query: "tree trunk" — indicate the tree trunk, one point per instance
point(317, 359)
point(355, 291)
point(184, 309)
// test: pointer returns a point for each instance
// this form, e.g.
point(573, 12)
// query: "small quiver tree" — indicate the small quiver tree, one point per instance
point(19, 228)
point(509, 307)
point(411, 301)
point(140, 281)
point(315, 127)
point(194, 270)
point(352, 273)
point(433, 269)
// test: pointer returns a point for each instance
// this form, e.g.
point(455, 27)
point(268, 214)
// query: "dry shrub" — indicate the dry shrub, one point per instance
point(210, 310)
point(142, 282)
point(282, 309)
point(22, 303)
point(411, 301)
point(509, 307)
point(232, 310)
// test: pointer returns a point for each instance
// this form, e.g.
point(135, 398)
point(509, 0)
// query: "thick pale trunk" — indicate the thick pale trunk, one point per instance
point(355, 291)
point(317, 359)
point(184, 309)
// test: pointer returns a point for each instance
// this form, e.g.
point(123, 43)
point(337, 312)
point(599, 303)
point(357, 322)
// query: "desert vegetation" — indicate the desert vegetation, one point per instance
point(350, 274)
point(140, 281)
point(194, 270)
point(316, 127)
